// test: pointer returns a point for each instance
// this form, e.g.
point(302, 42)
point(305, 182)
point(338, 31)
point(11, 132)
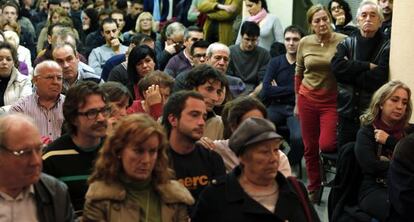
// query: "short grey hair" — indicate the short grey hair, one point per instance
point(46, 64)
point(368, 2)
point(11, 119)
point(217, 46)
point(174, 29)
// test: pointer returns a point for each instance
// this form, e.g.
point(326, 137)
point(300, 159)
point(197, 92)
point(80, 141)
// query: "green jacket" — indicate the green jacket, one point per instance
point(225, 19)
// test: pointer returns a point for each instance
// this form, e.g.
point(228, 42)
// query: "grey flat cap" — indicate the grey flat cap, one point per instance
point(250, 131)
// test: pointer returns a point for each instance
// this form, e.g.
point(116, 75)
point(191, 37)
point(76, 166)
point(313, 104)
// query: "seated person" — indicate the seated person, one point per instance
point(235, 112)
point(255, 190)
point(154, 88)
point(401, 181)
point(119, 99)
point(383, 125)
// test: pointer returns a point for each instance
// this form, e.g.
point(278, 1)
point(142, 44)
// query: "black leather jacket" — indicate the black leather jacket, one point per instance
point(52, 200)
point(356, 81)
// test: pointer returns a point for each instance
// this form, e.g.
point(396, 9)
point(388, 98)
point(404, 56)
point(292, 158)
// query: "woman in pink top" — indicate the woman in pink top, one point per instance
point(316, 92)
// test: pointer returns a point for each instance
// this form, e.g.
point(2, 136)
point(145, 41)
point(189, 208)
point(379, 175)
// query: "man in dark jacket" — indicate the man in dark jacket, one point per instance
point(33, 196)
point(360, 66)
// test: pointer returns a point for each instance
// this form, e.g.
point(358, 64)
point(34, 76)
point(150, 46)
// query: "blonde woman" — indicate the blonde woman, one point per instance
point(316, 92)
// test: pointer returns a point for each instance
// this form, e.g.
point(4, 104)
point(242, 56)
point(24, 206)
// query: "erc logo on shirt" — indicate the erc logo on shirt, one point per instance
point(192, 183)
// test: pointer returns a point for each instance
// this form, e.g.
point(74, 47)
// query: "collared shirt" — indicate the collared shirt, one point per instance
point(85, 73)
point(21, 208)
point(48, 121)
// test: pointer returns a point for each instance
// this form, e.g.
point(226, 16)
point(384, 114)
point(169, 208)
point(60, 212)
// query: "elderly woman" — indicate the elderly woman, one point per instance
point(131, 180)
point(255, 190)
point(382, 127)
point(271, 29)
point(13, 85)
point(341, 17)
point(233, 114)
point(316, 92)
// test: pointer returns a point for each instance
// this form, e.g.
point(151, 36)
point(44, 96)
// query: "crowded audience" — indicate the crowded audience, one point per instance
point(168, 110)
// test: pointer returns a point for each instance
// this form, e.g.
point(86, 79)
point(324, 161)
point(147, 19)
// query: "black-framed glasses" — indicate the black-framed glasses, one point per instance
point(93, 113)
point(23, 153)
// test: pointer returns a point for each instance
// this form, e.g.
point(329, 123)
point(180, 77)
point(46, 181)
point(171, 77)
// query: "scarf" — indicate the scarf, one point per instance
point(258, 17)
point(397, 131)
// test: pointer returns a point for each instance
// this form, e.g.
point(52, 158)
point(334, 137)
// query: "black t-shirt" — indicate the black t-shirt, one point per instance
point(196, 169)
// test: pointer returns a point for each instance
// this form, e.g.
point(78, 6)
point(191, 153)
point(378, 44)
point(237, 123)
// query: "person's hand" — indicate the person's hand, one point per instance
point(115, 43)
point(384, 158)
point(372, 66)
point(111, 124)
point(381, 136)
point(152, 95)
point(206, 143)
point(227, 8)
point(340, 20)
point(296, 111)
point(170, 48)
point(273, 82)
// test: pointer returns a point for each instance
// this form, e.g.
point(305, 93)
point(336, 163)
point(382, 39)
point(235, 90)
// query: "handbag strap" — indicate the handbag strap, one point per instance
point(302, 197)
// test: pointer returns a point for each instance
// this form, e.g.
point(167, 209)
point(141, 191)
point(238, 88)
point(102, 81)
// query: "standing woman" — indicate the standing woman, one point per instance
point(271, 29)
point(316, 92)
point(131, 180)
point(13, 85)
point(383, 125)
point(341, 17)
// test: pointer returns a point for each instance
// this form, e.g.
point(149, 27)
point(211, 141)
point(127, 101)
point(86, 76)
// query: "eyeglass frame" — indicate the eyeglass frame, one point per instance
point(23, 152)
point(105, 111)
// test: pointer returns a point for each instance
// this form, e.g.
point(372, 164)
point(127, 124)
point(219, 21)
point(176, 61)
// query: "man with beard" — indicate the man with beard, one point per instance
point(45, 105)
point(184, 118)
point(70, 157)
point(74, 71)
point(25, 193)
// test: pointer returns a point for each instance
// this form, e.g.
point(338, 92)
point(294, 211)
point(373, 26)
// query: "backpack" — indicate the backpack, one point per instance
point(343, 197)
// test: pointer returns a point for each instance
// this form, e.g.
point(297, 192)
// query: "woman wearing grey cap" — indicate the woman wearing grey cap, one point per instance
point(254, 190)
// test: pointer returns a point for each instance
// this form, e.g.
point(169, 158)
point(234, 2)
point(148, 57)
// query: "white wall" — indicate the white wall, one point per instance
point(282, 9)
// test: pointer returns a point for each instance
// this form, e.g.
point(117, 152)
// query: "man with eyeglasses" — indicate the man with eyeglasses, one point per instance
point(198, 53)
point(46, 104)
point(74, 71)
point(26, 194)
point(70, 157)
point(183, 60)
point(248, 61)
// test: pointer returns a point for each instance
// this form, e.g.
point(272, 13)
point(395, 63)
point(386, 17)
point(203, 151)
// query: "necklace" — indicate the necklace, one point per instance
point(322, 42)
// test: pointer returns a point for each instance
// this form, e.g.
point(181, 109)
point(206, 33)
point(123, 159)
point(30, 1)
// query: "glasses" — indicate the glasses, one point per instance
point(93, 113)
point(24, 153)
point(339, 7)
point(51, 78)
